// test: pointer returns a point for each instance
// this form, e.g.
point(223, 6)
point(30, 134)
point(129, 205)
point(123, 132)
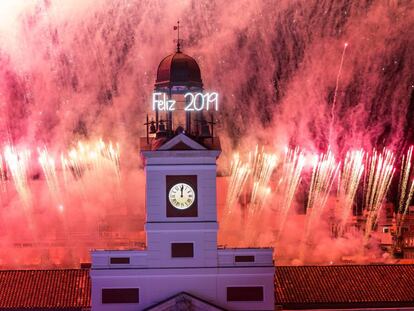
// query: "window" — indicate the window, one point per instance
point(244, 258)
point(119, 260)
point(120, 295)
point(247, 293)
point(385, 229)
point(181, 250)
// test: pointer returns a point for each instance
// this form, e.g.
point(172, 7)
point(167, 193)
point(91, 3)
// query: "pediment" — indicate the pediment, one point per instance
point(181, 142)
point(184, 302)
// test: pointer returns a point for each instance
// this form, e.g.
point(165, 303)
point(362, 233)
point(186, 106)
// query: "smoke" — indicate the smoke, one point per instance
point(85, 69)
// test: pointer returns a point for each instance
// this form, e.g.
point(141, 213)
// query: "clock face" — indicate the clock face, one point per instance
point(181, 196)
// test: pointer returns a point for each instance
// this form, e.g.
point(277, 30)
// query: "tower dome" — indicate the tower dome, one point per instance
point(178, 69)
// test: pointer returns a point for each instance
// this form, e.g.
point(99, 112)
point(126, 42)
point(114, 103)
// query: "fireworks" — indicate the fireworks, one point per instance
point(349, 180)
point(250, 184)
point(239, 173)
point(96, 157)
point(252, 178)
point(406, 189)
point(249, 180)
point(3, 175)
point(262, 166)
point(336, 93)
point(47, 163)
point(324, 172)
point(293, 164)
point(17, 164)
point(380, 170)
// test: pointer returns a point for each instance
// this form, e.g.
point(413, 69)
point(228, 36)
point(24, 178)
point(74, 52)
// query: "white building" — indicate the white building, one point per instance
point(182, 268)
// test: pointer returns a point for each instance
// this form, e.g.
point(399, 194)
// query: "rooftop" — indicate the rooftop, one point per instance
point(67, 289)
point(178, 69)
point(303, 287)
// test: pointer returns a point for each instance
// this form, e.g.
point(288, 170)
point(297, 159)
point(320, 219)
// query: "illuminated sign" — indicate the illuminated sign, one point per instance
point(194, 102)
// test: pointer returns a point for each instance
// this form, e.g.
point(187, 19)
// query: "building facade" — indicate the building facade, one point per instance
point(182, 263)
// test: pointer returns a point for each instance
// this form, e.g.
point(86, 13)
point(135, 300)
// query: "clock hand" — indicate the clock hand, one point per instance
point(182, 187)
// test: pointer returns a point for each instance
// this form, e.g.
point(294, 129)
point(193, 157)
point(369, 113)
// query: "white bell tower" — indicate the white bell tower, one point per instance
point(182, 267)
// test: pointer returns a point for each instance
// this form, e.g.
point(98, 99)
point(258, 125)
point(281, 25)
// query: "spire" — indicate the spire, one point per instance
point(178, 36)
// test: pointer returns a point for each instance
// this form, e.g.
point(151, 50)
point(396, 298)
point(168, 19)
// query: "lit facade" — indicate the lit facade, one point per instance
point(181, 227)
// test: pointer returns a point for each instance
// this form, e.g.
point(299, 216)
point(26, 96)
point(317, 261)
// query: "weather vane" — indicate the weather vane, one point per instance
point(178, 36)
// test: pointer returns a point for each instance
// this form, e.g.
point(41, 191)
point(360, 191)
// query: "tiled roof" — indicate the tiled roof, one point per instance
point(67, 289)
point(344, 286)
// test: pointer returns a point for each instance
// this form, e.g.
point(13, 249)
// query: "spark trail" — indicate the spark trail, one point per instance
point(380, 170)
point(48, 165)
point(262, 166)
point(406, 189)
point(97, 158)
point(349, 180)
point(238, 177)
point(331, 125)
point(292, 167)
point(250, 180)
point(3, 175)
point(324, 171)
point(18, 164)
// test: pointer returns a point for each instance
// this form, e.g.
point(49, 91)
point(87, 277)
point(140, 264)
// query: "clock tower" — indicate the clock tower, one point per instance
point(182, 267)
point(181, 223)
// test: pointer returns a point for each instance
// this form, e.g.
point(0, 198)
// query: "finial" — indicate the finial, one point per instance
point(178, 36)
